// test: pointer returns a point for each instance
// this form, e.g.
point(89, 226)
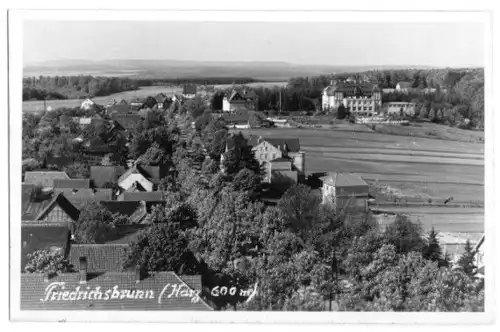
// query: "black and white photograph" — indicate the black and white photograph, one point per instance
point(330, 162)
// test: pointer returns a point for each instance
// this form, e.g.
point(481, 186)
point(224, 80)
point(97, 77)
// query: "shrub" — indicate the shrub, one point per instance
point(44, 261)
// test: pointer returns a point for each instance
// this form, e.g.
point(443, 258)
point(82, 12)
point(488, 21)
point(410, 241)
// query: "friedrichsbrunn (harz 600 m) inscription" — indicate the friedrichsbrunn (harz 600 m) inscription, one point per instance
point(280, 166)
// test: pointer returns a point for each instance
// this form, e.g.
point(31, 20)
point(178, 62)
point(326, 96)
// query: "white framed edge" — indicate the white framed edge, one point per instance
point(16, 18)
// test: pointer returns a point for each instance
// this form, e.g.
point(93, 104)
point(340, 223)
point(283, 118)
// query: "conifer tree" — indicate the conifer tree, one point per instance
point(466, 261)
point(432, 249)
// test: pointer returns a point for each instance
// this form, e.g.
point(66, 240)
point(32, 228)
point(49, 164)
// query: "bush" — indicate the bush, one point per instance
point(44, 261)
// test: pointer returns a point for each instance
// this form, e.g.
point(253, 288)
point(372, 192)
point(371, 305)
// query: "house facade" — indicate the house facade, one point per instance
point(87, 104)
point(280, 158)
point(240, 101)
point(360, 98)
point(345, 190)
point(189, 91)
point(398, 108)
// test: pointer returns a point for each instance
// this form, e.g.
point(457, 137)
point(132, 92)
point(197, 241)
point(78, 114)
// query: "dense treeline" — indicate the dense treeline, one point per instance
point(195, 80)
point(72, 87)
point(454, 88)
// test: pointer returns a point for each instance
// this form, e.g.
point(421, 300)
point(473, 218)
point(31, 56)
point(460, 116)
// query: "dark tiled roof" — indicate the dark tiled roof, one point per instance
point(100, 175)
point(160, 98)
point(292, 144)
point(124, 234)
point(153, 196)
point(80, 196)
point(31, 209)
point(33, 289)
point(64, 204)
point(59, 161)
point(152, 173)
point(118, 109)
point(71, 183)
point(100, 257)
point(405, 85)
point(135, 211)
point(44, 178)
point(343, 180)
point(127, 121)
point(189, 90)
point(42, 236)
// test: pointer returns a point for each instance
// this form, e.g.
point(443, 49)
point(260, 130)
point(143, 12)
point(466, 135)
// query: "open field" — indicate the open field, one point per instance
point(431, 130)
point(142, 92)
point(418, 168)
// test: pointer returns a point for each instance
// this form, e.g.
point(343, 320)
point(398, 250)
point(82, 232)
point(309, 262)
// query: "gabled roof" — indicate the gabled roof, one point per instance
point(100, 175)
point(160, 98)
point(100, 257)
point(79, 197)
point(63, 203)
point(153, 196)
point(189, 89)
point(44, 178)
point(72, 183)
point(33, 289)
point(42, 236)
point(127, 121)
point(343, 180)
point(135, 211)
point(119, 108)
point(290, 144)
point(59, 161)
point(151, 173)
point(404, 85)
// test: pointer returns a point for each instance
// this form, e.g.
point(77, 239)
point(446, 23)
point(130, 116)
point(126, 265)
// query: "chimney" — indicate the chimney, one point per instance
point(331, 82)
point(137, 273)
point(83, 270)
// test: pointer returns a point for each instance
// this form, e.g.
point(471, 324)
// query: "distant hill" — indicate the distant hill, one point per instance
point(173, 69)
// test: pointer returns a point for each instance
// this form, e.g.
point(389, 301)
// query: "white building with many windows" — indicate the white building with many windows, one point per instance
point(360, 98)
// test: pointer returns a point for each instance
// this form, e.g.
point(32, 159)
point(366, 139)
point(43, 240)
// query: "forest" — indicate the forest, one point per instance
point(74, 87)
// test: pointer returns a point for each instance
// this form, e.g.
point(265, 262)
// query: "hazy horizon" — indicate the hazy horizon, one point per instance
point(447, 44)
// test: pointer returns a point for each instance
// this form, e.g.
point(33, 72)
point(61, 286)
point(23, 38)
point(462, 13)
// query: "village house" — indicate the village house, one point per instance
point(135, 211)
point(398, 108)
point(360, 98)
point(44, 178)
point(281, 158)
point(344, 190)
point(243, 100)
point(105, 176)
point(71, 183)
point(48, 208)
point(140, 178)
point(80, 196)
point(160, 100)
point(87, 104)
point(189, 91)
point(404, 87)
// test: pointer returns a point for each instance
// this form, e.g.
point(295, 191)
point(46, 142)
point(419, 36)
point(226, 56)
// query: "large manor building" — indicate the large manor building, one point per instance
point(360, 98)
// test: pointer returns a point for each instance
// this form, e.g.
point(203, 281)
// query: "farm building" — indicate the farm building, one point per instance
point(342, 189)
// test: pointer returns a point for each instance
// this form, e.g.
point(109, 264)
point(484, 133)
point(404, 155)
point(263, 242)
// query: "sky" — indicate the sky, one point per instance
point(448, 44)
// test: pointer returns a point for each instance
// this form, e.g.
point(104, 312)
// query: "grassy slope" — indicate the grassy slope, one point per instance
point(413, 166)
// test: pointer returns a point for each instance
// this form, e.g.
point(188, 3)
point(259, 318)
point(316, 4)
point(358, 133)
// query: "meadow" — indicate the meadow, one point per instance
point(142, 92)
point(414, 168)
